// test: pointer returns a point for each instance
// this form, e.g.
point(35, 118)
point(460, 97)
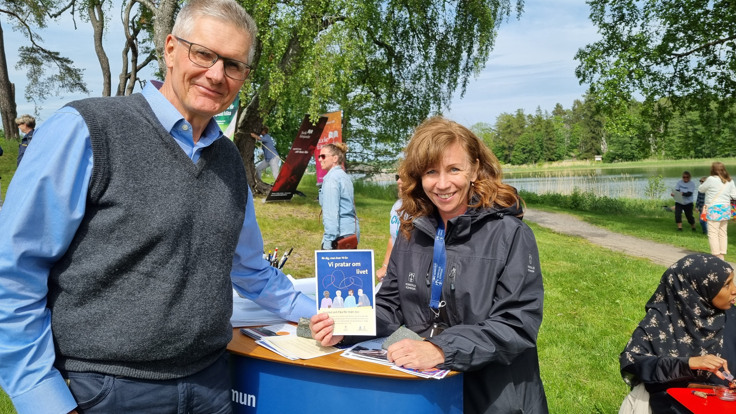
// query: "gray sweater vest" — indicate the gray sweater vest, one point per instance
point(144, 289)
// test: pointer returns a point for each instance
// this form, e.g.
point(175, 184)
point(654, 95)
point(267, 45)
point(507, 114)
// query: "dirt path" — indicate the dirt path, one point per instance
point(659, 253)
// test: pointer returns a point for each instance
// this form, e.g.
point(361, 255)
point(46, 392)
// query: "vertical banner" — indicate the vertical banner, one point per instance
point(331, 133)
point(226, 119)
point(296, 161)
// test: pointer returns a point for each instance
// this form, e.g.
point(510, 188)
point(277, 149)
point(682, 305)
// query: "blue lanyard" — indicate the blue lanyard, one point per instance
point(439, 260)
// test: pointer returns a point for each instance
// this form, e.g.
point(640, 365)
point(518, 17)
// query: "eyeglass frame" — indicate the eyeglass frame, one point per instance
point(224, 59)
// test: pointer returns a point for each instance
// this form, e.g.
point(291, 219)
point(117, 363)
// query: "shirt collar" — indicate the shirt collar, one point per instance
point(176, 125)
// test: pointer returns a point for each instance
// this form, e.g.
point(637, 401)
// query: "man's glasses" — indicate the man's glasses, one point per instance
point(206, 58)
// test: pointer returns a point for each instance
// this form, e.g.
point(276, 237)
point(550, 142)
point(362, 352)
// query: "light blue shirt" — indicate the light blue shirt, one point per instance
point(686, 187)
point(44, 205)
point(338, 208)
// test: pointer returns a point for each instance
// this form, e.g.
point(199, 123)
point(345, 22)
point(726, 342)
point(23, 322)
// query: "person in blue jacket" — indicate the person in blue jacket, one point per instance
point(26, 124)
point(270, 155)
point(336, 196)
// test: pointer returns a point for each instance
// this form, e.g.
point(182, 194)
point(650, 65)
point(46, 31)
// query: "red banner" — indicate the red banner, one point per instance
point(297, 160)
point(331, 133)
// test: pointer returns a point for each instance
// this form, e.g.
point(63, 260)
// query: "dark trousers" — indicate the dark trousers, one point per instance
point(688, 209)
point(206, 392)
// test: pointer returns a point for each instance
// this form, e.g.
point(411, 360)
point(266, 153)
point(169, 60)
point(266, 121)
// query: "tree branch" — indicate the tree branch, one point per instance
point(704, 46)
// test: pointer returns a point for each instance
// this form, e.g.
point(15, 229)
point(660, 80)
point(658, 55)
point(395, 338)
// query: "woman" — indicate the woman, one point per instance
point(681, 338)
point(719, 190)
point(336, 196)
point(464, 274)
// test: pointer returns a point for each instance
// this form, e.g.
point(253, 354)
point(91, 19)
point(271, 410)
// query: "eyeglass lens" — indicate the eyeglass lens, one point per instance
point(205, 57)
point(322, 156)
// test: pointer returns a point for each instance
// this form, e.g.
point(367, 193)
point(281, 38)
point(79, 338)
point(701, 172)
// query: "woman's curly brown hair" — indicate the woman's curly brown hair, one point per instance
point(426, 149)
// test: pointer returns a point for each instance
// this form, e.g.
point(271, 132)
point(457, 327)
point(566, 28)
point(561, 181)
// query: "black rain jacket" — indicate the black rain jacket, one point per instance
point(493, 293)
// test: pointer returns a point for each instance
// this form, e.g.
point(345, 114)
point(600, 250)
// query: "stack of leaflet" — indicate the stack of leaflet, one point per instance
point(282, 339)
point(248, 313)
point(371, 351)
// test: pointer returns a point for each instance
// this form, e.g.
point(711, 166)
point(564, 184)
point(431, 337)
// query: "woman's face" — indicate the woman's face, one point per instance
point(448, 184)
point(327, 160)
point(725, 298)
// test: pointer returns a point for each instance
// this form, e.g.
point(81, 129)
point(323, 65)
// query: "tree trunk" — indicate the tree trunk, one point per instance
point(97, 19)
point(248, 121)
point(163, 22)
point(7, 95)
point(252, 116)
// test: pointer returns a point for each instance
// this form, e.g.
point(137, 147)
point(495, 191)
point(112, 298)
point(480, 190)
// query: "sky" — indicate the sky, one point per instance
point(532, 64)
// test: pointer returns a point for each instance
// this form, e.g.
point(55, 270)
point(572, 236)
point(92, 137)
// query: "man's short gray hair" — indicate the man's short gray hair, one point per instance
point(228, 11)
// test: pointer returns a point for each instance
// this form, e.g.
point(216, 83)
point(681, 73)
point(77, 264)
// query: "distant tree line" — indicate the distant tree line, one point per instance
point(588, 129)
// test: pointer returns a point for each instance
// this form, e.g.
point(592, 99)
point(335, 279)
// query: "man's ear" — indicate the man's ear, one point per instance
point(169, 45)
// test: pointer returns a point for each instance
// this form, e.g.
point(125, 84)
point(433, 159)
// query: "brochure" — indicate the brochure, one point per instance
point(294, 347)
point(677, 196)
point(282, 339)
point(371, 351)
point(345, 290)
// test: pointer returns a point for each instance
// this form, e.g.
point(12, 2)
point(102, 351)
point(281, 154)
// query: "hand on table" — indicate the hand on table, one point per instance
point(322, 327)
point(414, 354)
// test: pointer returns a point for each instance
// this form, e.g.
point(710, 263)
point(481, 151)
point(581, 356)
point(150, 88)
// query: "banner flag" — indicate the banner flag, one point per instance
point(226, 119)
point(331, 133)
point(296, 160)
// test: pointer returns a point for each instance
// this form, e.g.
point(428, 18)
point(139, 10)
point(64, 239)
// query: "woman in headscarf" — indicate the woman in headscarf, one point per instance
point(681, 338)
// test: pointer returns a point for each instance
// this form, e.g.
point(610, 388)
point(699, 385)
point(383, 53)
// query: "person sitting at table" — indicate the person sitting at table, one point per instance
point(460, 231)
point(681, 338)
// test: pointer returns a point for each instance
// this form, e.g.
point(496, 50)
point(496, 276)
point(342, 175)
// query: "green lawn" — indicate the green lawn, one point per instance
point(593, 297)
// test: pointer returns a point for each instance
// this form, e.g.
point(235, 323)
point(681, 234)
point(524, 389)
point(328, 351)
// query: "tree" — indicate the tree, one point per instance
point(680, 51)
point(26, 16)
point(387, 66)
point(509, 129)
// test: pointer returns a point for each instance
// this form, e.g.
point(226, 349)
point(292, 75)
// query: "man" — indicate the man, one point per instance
point(270, 155)
point(121, 236)
point(686, 188)
point(26, 124)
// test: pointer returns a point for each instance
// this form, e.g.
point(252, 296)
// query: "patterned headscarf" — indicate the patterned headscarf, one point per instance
point(681, 321)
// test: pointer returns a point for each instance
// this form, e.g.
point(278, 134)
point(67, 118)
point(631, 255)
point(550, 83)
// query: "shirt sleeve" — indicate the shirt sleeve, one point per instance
point(44, 205)
point(330, 212)
point(254, 278)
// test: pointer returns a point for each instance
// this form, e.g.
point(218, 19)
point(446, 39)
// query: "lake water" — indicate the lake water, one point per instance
point(608, 182)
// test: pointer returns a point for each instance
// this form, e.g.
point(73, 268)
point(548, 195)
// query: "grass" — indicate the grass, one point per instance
point(593, 297)
point(646, 219)
point(577, 165)
point(8, 163)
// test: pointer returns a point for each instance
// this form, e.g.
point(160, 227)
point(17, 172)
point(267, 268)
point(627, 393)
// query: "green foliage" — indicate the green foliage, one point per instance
point(655, 187)
point(682, 52)
point(48, 71)
point(387, 66)
point(589, 202)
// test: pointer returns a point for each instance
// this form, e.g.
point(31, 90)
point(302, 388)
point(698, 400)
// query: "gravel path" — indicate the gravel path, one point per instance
point(659, 253)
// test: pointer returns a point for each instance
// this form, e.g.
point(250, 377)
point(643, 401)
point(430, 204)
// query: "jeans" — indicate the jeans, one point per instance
point(205, 392)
